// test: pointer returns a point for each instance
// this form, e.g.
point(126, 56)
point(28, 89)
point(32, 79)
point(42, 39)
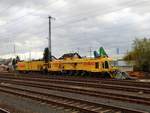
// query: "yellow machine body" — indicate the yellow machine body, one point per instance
point(30, 65)
point(92, 65)
point(86, 64)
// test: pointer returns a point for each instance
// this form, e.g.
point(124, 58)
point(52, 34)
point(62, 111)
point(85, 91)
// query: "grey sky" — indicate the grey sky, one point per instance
point(79, 24)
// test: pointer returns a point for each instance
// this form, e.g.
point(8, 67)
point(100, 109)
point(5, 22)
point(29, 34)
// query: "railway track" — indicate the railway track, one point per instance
point(81, 79)
point(86, 84)
point(79, 87)
point(3, 111)
point(81, 105)
point(82, 90)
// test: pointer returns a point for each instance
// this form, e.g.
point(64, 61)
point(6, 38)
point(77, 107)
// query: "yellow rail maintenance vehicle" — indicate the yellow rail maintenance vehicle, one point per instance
point(73, 64)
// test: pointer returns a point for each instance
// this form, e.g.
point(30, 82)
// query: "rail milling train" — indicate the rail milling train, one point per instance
point(73, 64)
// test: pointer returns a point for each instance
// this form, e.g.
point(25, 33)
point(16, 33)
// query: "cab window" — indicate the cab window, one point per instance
point(106, 65)
point(96, 65)
point(103, 65)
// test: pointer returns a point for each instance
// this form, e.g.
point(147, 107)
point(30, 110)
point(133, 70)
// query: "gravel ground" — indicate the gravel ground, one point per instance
point(89, 98)
point(25, 105)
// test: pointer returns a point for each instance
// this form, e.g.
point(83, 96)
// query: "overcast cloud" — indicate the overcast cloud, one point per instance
point(78, 26)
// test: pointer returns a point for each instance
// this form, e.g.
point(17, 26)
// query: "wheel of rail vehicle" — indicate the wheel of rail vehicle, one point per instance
point(84, 74)
point(64, 72)
point(77, 73)
point(45, 71)
point(88, 74)
point(71, 73)
point(106, 75)
point(41, 70)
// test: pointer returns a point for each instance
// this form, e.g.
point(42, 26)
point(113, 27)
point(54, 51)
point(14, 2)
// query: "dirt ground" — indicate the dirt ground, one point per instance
point(140, 74)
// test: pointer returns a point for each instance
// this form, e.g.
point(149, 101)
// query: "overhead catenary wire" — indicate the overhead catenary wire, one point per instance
point(7, 8)
point(94, 14)
point(29, 13)
point(16, 19)
point(73, 22)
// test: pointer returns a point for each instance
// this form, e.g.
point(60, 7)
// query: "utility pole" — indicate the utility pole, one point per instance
point(49, 42)
point(117, 58)
point(30, 56)
point(117, 50)
point(90, 51)
point(14, 50)
point(78, 50)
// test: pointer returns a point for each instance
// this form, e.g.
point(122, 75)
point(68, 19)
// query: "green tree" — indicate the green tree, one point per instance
point(17, 58)
point(14, 63)
point(140, 54)
point(46, 55)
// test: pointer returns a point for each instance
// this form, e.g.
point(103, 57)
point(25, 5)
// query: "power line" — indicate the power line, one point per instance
point(94, 14)
point(8, 7)
point(74, 22)
point(18, 18)
point(56, 26)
